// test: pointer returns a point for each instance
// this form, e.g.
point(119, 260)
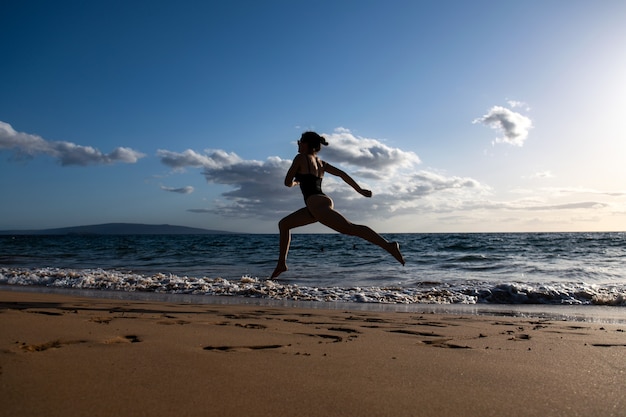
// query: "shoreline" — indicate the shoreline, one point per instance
point(70, 355)
point(582, 313)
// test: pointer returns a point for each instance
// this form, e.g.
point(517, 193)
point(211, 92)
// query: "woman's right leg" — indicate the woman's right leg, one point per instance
point(298, 218)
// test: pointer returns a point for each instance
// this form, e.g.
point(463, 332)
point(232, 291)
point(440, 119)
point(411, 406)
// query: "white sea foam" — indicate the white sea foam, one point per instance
point(470, 292)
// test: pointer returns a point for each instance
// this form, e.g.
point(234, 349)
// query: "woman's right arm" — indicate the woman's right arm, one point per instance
point(293, 170)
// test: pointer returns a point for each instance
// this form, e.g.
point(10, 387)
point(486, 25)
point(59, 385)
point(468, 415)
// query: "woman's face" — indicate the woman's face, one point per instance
point(303, 147)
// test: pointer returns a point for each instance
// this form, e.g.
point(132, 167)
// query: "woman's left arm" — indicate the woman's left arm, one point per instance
point(347, 178)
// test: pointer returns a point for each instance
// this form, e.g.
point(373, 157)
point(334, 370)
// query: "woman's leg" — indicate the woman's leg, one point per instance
point(298, 218)
point(322, 209)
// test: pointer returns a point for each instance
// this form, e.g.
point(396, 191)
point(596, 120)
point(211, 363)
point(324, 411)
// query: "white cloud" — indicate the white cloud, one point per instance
point(516, 104)
point(570, 206)
point(372, 157)
point(534, 205)
point(257, 186)
point(258, 190)
point(425, 182)
point(215, 159)
point(571, 191)
point(542, 174)
point(67, 153)
point(514, 126)
point(183, 190)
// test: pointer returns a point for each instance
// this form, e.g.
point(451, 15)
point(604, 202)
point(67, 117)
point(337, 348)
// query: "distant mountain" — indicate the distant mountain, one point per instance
point(119, 229)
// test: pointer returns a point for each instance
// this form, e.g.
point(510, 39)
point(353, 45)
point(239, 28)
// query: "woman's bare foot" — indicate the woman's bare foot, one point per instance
point(280, 268)
point(394, 249)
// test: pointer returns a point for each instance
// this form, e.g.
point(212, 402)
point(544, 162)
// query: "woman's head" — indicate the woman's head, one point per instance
point(313, 140)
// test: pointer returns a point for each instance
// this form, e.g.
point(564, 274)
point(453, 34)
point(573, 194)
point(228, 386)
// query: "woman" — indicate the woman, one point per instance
point(307, 170)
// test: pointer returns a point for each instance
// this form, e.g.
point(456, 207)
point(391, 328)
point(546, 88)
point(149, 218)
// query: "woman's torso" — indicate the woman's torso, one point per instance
point(310, 176)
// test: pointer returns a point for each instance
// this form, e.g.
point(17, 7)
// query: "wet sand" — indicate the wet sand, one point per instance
point(65, 355)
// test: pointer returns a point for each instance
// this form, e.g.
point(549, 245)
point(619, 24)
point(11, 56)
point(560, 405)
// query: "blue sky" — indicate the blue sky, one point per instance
point(480, 116)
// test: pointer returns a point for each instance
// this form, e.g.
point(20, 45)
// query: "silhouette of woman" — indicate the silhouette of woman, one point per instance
point(307, 171)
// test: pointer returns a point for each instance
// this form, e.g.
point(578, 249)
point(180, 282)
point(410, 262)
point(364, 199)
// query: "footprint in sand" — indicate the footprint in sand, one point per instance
point(344, 330)
point(415, 333)
point(101, 320)
point(444, 343)
point(241, 348)
point(45, 312)
point(54, 344)
point(368, 322)
point(171, 322)
point(332, 337)
point(251, 326)
point(239, 316)
point(123, 339)
point(435, 324)
point(609, 344)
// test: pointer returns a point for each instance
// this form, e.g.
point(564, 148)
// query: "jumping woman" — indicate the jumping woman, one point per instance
point(307, 171)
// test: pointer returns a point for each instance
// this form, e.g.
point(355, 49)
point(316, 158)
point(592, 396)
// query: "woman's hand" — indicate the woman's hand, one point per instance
point(365, 193)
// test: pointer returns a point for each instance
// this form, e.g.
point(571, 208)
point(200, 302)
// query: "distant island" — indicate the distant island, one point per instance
point(119, 229)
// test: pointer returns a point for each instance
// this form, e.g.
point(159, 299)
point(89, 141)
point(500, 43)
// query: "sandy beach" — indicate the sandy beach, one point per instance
point(64, 355)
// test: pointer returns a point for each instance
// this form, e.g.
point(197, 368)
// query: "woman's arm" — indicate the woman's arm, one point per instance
point(347, 178)
point(293, 170)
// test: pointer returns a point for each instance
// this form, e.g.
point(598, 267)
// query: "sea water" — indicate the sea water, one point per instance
point(482, 268)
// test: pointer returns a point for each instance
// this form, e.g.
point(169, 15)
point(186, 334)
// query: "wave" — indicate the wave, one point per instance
point(424, 292)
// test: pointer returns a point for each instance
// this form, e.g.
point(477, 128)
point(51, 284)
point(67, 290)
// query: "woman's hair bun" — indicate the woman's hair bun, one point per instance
point(314, 139)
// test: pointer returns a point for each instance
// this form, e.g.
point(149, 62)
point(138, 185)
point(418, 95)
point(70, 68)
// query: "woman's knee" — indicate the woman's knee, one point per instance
point(283, 225)
point(297, 219)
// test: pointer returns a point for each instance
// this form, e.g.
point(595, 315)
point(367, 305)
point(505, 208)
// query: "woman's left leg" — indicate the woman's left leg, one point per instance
point(298, 218)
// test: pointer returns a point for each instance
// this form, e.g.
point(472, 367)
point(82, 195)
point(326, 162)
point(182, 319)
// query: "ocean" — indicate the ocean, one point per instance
point(575, 269)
